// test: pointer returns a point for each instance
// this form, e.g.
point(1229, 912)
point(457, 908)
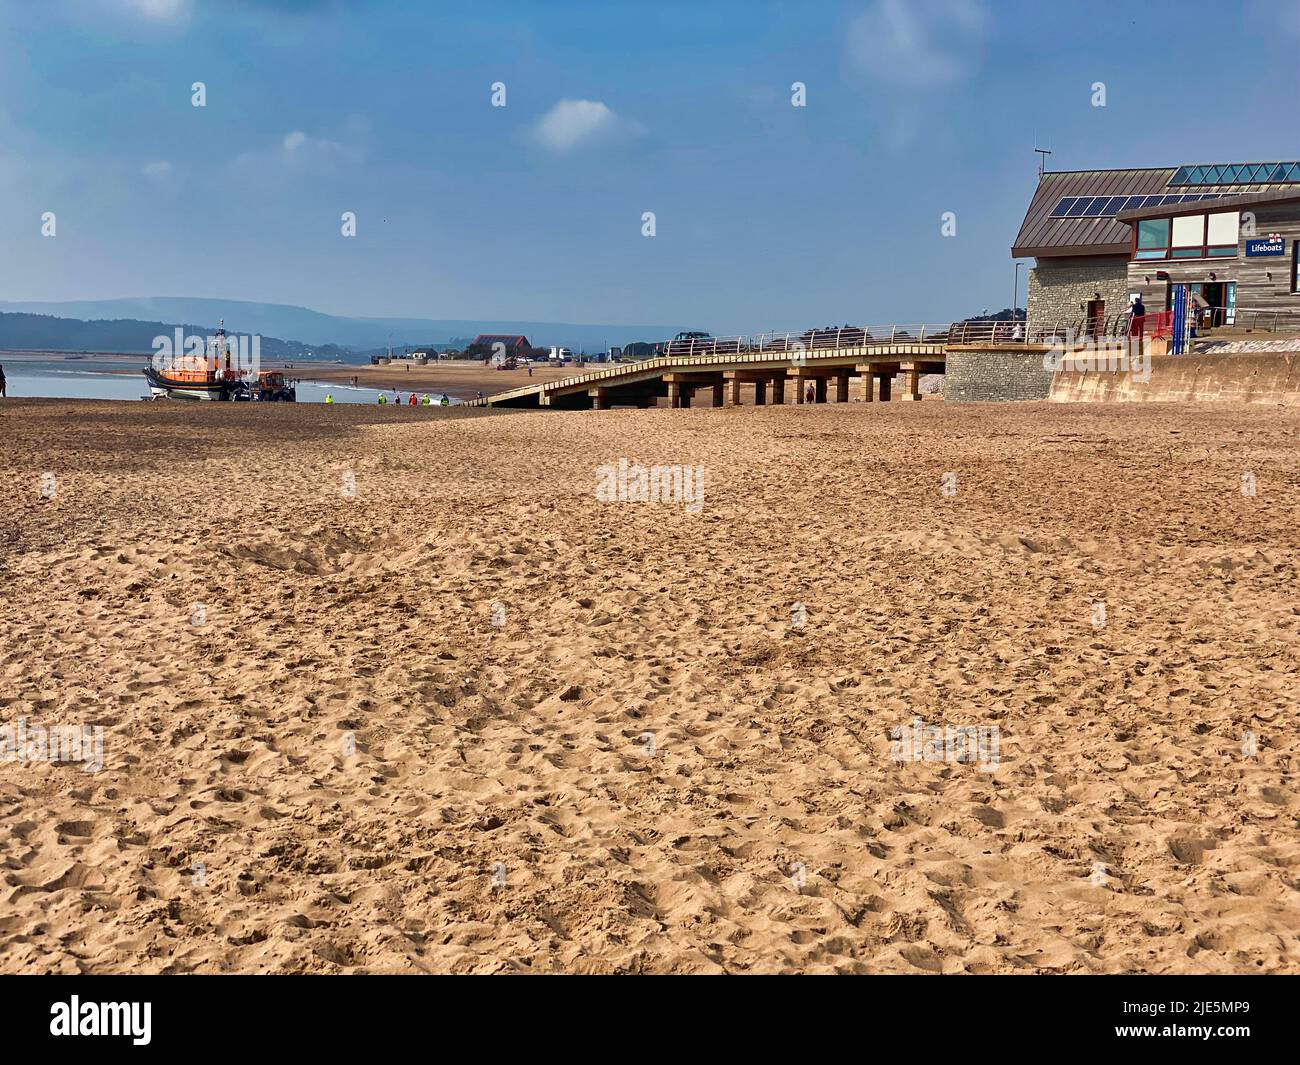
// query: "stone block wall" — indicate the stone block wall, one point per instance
point(980, 374)
point(1058, 288)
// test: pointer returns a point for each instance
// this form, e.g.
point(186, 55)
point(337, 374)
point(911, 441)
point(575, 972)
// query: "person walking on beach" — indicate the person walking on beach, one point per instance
point(3, 393)
point(425, 401)
point(413, 399)
point(329, 397)
point(382, 399)
point(810, 394)
point(445, 401)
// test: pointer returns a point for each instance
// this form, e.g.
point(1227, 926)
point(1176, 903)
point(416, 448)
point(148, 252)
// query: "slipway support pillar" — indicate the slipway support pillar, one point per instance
point(913, 384)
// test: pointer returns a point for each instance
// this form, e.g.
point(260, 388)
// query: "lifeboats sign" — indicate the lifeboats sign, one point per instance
point(1273, 244)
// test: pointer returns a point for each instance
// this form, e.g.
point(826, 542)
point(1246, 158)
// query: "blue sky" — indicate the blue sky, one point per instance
point(768, 216)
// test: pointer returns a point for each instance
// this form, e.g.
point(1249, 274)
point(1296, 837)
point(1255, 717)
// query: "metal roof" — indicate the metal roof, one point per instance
point(509, 339)
point(1043, 236)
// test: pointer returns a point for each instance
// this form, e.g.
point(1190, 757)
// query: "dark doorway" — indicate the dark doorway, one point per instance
point(1096, 323)
point(1215, 294)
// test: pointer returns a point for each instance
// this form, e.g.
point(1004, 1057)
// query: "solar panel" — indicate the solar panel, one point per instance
point(1109, 206)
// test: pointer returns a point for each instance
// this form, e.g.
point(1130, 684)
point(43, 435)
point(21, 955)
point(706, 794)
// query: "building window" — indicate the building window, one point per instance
point(1153, 238)
point(1195, 236)
point(1223, 229)
point(1189, 232)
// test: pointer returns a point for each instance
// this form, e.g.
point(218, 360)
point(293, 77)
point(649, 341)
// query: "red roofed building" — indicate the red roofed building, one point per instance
point(488, 344)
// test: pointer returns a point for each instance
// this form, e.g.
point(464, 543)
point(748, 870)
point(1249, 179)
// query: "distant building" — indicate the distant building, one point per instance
point(1228, 234)
point(511, 347)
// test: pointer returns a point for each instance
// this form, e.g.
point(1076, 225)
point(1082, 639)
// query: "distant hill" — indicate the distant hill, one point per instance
point(314, 328)
point(43, 332)
point(129, 325)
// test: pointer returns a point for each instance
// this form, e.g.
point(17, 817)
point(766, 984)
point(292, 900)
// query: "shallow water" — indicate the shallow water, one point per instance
point(78, 379)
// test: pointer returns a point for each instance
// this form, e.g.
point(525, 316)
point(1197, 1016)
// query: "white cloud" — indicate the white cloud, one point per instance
point(571, 123)
point(299, 148)
point(918, 43)
point(163, 10)
point(158, 170)
point(298, 152)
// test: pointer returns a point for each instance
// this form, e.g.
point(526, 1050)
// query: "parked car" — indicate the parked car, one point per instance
point(688, 343)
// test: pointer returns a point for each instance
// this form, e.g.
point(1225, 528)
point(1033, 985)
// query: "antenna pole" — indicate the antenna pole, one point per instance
point(1043, 153)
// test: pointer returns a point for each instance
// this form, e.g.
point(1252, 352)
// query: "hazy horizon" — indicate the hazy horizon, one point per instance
point(767, 215)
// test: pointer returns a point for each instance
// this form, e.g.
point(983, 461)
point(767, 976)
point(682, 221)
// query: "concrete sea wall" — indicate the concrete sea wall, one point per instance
point(984, 374)
point(1253, 378)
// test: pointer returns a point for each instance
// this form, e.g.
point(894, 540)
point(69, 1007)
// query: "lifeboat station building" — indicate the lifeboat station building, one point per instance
point(1227, 234)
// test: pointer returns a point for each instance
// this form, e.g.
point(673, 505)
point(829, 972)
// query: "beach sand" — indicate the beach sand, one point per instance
point(321, 754)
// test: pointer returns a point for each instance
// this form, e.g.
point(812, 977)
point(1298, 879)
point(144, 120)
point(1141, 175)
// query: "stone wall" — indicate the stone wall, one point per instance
point(986, 374)
point(1058, 288)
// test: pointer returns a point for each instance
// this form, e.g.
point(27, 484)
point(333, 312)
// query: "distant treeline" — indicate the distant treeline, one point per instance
point(1007, 314)
point(42, 332)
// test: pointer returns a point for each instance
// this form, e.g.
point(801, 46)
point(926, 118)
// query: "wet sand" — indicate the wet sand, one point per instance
point(391, 690)
point(460, 379)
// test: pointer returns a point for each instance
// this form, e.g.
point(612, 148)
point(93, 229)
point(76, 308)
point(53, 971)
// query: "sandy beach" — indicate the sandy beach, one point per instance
point(458, 378)
point(389, 690)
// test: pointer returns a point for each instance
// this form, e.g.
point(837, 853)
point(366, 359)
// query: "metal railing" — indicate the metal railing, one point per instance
point(1252, 319)
point(866, 336)
point(836, 337)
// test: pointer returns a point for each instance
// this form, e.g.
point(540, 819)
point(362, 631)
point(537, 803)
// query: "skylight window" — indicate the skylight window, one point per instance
point(1238, 174)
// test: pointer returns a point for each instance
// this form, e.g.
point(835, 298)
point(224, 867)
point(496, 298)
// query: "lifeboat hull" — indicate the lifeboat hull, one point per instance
point(161, 385)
